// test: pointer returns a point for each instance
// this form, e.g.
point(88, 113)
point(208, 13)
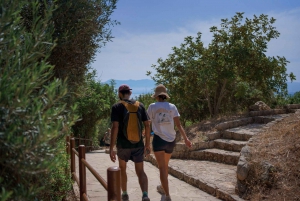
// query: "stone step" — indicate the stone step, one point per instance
point(216, 155)
point(242, 133)
point(214, 178)
point(267, 119)
point(267, 112)
point(229, 145)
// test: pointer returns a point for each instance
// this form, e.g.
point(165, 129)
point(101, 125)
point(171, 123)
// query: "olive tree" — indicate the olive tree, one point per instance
point(231, 72)
point(33, 116)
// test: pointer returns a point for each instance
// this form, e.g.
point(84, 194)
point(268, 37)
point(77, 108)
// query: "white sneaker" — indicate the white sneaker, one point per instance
point(160, 189)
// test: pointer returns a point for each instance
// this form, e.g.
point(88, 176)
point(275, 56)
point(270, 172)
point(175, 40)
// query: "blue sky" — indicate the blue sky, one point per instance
point(149, 29)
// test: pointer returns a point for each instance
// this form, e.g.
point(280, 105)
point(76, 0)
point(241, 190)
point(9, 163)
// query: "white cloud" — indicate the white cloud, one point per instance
point(130, 55)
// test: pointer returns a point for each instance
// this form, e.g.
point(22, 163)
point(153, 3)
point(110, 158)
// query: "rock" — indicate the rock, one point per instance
point(245, 152)
point(292, 106)
point(254, 108)
point(240, 187)
point(259, 106)
point(242, 168)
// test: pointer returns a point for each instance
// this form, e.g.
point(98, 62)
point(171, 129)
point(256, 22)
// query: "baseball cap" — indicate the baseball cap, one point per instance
point(124, 87)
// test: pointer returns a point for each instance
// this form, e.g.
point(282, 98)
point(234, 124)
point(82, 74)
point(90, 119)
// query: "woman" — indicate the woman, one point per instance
point(163, 116)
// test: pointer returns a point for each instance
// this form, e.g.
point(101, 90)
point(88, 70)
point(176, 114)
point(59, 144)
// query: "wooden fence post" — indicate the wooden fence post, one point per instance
point(82, 172)
point(114, 184)
point(72, 142)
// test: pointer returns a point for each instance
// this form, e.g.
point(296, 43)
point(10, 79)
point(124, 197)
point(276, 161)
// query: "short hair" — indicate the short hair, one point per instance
point(164, 97)
point(124, 92)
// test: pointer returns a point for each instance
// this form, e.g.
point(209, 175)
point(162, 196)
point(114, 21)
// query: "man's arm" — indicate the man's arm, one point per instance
point(114, 133)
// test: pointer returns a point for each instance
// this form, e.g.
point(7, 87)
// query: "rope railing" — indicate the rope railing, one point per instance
point(113, 184)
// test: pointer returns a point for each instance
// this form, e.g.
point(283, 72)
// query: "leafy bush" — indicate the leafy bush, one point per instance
point(146, 99)
point(94, 104)
point(60, 180)
point(294, 99)
point(33, 117)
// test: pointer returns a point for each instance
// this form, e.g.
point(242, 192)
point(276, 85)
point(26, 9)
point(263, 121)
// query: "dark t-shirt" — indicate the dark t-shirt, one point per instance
point(117, 114)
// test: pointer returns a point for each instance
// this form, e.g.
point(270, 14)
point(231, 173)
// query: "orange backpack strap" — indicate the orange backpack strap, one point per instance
point(131, 107)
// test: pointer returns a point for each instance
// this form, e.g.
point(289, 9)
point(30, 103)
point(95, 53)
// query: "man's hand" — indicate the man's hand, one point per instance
point(147, 150)
point(112, 155)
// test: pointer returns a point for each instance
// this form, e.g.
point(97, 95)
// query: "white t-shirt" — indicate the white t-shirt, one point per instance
point(161, 115)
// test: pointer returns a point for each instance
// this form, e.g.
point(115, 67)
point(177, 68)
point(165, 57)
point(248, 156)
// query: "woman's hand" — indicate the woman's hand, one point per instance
point(188, 143)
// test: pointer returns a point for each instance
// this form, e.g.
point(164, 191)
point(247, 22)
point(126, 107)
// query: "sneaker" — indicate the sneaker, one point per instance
point(168, 198)
point(145, 198)
point(125, 197)
point(160, 189)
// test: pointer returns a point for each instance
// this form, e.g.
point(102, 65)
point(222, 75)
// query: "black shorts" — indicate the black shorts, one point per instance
point(159, 144)
point(134, 154)
point(107, 145)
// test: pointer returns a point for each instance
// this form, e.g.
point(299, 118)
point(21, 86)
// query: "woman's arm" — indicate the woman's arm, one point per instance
point(187, 142)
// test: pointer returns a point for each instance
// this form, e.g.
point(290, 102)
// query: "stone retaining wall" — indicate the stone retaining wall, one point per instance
point(234, 123)
point(182, 152)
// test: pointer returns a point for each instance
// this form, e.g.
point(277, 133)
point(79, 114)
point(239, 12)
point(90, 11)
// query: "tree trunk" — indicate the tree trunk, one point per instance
point(220, 98)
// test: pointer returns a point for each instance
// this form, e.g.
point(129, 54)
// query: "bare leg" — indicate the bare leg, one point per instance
point(122, 165)
point(143, 179)
point(162, 159)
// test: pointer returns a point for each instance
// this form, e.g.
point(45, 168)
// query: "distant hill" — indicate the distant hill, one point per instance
point(145, 86)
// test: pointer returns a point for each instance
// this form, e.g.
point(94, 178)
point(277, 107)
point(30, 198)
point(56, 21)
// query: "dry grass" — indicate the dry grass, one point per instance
point(280, 146)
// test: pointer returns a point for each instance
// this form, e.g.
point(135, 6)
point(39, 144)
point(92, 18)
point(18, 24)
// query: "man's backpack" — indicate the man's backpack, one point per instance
point(132, 122)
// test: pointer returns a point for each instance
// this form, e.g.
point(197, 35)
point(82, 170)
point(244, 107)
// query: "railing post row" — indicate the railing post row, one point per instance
point(82, 172)
point(113, 173)
point(72, 157)
point(113, 183)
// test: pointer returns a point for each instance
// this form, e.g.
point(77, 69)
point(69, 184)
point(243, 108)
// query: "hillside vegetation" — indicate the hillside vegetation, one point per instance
point(280, 147)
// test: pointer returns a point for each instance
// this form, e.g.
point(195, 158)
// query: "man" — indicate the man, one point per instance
point(125, 149)
point(106, 138)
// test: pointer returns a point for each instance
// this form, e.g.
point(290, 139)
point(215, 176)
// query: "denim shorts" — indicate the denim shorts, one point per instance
point(134, 154)
point(159, 144)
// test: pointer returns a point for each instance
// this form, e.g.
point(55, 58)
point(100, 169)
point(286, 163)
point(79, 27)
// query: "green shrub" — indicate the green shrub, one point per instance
point(33, 118)
point(295, 98)
point(94, 104)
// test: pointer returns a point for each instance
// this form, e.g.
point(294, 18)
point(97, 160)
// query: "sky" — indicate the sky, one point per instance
point(149, 29)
